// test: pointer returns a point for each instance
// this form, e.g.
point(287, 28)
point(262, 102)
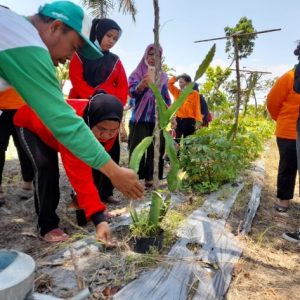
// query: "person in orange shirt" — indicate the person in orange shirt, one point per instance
point(283, 105)
point(190, 112)
point(8, 109)
point(294, 236)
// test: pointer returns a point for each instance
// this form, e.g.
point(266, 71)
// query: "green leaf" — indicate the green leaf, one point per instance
point(161, 106)
point(177, 104)
point(170, 148)
point(138, 153)
point(206, 62)
point(231, 131)
point(172, 177)
point(165, 207)
point(134, 216)
point(156, 204)
point(165, 114)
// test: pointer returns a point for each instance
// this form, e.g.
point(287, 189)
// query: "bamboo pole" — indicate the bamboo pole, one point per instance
point(238, 35)
point(249, 71)
point(157, 82)
point(238, 81)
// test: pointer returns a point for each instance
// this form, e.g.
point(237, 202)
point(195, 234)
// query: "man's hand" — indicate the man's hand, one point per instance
point(127, 182)
point(123, 179)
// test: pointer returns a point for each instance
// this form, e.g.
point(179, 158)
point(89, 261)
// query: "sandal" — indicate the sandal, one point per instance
point(280, 208)
point(54, 236)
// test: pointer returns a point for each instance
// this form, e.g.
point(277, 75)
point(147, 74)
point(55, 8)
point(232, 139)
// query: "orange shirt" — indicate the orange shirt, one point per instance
point(10, 99)
point(190, 107)
point(283, 105)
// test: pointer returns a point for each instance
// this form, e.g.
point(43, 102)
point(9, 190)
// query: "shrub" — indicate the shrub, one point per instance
point(210, 158)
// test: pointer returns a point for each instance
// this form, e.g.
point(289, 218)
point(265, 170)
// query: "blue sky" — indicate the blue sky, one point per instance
point(183, 22)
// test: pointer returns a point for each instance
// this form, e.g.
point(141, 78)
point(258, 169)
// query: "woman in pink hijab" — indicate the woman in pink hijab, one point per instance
point(142, 120)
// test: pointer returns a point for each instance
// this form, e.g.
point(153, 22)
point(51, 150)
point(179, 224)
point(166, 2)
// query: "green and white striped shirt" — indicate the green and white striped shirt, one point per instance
point(26, 65)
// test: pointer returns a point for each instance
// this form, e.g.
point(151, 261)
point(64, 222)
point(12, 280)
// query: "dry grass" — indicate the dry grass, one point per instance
point(268, 268)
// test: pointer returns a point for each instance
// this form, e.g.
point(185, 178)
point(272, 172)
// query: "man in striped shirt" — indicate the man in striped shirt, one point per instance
point(29, 49)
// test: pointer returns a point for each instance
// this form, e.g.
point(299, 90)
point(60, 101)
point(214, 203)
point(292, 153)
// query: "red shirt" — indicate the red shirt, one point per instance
point(79, 173)
point(116, 84)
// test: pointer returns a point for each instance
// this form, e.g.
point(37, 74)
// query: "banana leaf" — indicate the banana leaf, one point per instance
point(138, 153)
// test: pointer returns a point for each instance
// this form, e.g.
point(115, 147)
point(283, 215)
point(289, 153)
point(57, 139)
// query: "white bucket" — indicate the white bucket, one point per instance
point(16, 275)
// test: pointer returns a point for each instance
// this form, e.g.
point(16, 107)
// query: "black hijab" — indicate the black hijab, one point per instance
point(97, 71)
point(103, 107)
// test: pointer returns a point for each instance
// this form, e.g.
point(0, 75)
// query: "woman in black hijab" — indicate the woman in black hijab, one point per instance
point(103, 114)
point(107, 74)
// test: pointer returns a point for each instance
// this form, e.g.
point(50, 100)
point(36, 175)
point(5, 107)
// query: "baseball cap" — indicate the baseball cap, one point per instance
point(74, 16)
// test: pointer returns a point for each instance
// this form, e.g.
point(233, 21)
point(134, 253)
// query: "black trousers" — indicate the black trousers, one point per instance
point(46, 179)
point(137, 132)
point(7, 129)
point(185, 127)
point(287, 170)
point(103, 183)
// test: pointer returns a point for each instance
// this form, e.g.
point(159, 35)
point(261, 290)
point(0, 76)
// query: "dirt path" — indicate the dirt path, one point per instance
point(18, 218)
point(268, 269)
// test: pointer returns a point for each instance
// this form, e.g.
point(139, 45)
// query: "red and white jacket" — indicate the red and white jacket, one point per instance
point(79, 173)
point(116, 84)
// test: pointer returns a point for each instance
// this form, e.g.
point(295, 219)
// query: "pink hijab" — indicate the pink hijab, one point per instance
point(138, 74)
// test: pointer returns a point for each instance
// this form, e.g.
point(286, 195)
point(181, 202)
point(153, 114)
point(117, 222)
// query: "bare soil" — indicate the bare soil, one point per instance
point(268, 269)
